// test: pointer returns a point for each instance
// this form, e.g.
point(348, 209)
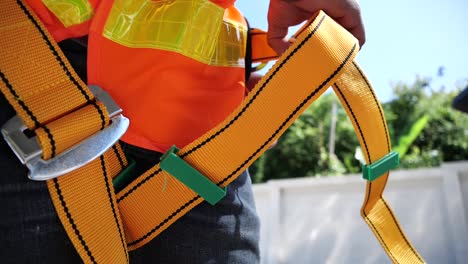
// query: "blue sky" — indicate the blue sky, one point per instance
point(405, 38)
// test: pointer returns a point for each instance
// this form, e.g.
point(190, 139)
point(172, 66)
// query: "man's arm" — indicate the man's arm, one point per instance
point(285, 13)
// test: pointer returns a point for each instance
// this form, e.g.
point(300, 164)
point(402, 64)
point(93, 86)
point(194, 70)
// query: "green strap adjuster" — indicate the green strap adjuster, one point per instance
point(189, 176)
point(125, 177)
point(380, 167)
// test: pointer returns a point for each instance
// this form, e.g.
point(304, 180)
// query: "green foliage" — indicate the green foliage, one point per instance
point(446, 135)
point(427, 143)
point(418, 158)
point(403, 110)
point(425, 130)
point(303, 148)
point(405, 141)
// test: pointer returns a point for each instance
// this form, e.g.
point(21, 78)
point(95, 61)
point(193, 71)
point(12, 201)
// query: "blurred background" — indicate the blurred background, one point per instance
point(416, 58)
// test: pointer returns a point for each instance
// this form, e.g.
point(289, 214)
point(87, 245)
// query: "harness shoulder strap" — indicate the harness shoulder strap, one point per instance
point(54, 103)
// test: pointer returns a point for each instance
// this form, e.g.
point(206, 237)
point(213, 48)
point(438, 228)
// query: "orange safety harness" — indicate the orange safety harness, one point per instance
point(65, 115)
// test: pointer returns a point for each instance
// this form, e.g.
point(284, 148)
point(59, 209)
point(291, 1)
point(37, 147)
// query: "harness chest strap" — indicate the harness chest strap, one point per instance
point(101, 224)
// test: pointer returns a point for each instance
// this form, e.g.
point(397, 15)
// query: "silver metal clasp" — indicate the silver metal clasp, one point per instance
point(29, 152)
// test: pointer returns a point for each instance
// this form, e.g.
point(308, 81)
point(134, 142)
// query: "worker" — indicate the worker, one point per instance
point(177, 70)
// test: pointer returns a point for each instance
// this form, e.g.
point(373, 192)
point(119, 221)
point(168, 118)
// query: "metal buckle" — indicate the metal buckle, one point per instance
point(29, 151)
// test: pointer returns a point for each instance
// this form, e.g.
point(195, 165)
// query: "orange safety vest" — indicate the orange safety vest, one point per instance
point(176, 68)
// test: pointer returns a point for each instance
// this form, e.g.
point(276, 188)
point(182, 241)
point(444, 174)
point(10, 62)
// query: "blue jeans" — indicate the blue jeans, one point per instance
point(30, 231)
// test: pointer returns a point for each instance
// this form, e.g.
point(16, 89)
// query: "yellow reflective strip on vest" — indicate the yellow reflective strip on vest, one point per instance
point(193, 28)
point(230, 47)
point(101, 224)
point(70, 12)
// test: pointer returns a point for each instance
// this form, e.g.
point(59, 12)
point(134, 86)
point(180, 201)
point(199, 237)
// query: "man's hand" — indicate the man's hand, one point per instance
point(285, 13)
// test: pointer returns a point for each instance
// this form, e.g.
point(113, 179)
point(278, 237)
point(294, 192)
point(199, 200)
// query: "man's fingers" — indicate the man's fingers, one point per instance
point(276, 37)
point(282, 15)
point(279, 45)
point(356, 29)
point(359, 33)
point(252, 81)
point(348, 15)
point(277, 28)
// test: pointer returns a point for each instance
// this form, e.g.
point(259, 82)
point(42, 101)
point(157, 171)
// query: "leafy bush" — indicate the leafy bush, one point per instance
point(424, 128)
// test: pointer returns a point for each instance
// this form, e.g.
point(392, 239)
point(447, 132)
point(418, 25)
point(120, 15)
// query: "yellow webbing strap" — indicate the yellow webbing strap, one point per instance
point(47, 94)
point(85, 200)
point(289, 87)
point(366, 114)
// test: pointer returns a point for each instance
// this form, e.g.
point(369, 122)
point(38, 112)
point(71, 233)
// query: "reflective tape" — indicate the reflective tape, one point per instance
point(70, 12)
point(193, 28)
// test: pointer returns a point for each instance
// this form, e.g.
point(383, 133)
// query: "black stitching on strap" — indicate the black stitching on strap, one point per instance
point(237, 116)
point(53, 50)
point(321, 86)
point(370, 161)
point(28, 111)
point(51, 139)
point(119, 158)
point(380, 110)
point(101, 115)
point(65, 69)
point(18, 99)
point(71, 221)
point(258, 91)
point(164, 222)
point(370, 184)
point(106, 180)
point(138, 185)
point(399, 229)
point(356, 121)
point(381, 239)
point(376, 102)
point(361, 134)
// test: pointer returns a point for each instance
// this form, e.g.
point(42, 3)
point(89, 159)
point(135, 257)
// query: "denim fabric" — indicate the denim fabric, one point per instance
point(32, 233)
point(225, 233)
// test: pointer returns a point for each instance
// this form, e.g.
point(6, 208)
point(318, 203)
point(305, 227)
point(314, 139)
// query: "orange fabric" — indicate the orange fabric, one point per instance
point(224, 3)
point(169, 98)
point(234, 14)
point(261, 51)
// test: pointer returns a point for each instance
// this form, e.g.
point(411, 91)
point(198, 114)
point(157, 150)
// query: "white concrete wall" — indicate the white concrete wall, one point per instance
point(317, 220)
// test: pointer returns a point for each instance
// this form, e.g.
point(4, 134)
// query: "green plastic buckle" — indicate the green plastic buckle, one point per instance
point(125, 177)
point(189, 176)
point(380, 167)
